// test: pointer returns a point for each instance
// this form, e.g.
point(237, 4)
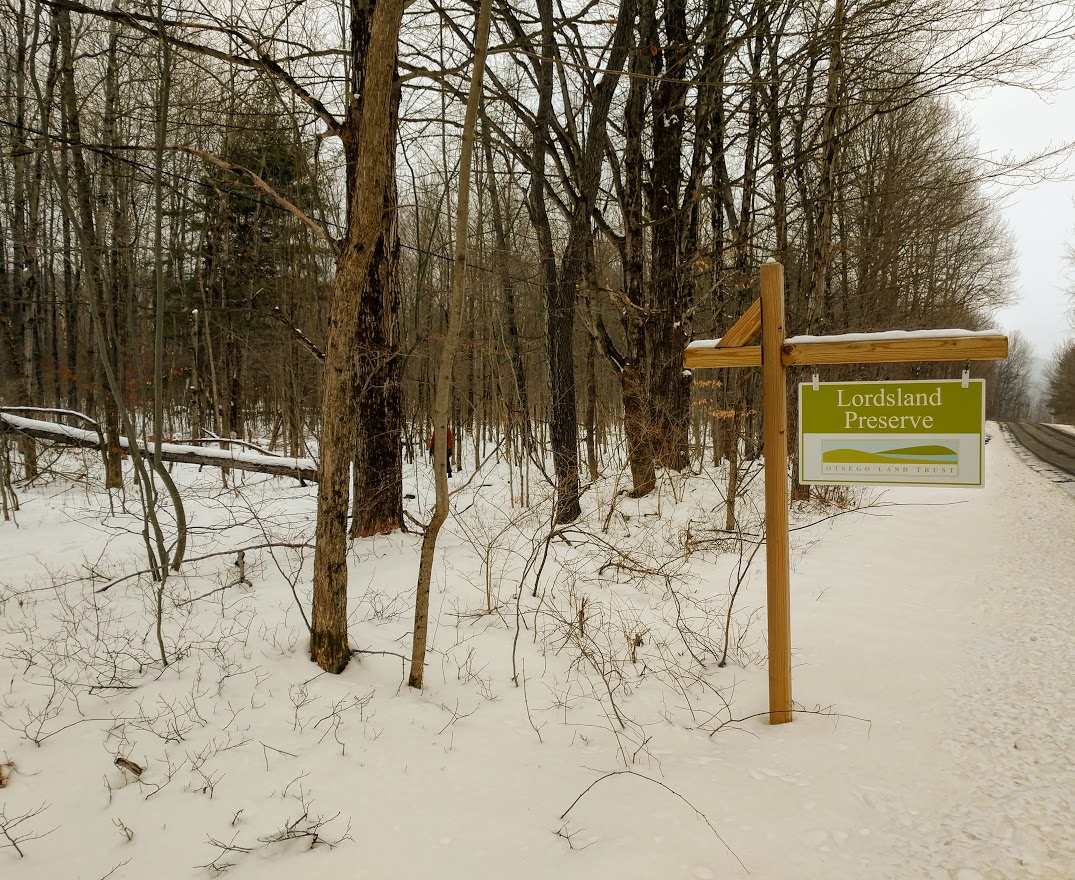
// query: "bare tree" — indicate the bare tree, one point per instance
point(448, 352)
point(367, 136)
point(1060, 387)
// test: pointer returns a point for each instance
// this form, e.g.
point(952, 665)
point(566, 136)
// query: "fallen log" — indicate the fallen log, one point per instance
point(239, 459)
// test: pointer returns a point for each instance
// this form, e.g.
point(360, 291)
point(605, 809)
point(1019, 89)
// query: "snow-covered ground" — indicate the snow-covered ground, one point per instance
point(934, 638)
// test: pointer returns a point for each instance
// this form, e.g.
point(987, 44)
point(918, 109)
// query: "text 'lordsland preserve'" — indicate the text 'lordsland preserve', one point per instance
point(896, 398)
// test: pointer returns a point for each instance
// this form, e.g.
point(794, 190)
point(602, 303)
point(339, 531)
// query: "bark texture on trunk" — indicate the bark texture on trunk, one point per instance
point(817, 307)
point(519, 409)
point(378, 474)
point(669, 290)
point(637, 424)
point(20, 323)
point(377, 504)
point(367, 138)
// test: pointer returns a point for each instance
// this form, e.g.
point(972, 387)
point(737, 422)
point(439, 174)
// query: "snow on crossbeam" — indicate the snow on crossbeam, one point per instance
point(863, 337)
point(894, 335)
point(237, 459)
point(890, 346)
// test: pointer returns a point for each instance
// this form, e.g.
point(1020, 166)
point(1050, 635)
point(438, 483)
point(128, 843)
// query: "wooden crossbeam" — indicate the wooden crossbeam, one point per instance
point(883, 350)
point(745, 329)
point(706, 358)
point(888, 351)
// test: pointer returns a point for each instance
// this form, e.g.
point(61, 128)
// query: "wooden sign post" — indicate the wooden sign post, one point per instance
point(775, 354)
point(774, 391)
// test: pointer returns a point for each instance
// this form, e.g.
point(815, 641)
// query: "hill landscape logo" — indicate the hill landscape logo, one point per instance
point(886, 457)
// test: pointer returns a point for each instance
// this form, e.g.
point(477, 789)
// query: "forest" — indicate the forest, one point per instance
point(315, 230)
point(269, 272)
point(297, 238)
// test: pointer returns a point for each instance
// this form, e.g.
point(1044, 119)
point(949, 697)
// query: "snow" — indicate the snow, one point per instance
point(230, 454)
point(940, 617)
point(891, 336)
point(59, 430)
point(70, 413)
point(884, 336)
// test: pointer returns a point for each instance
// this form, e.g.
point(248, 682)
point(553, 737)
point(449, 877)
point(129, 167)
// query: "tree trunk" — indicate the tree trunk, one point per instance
point(23, 339)
point(377, 506)
point(300, 469)
point(637, 424)
point(442, 400)
point(822, 256)
point(116, 249)
point(561, 287)
point(367, 138)
point(669, 292)
point(378, 472)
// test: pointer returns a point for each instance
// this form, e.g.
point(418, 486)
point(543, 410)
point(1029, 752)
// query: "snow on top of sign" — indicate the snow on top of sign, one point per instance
point(891, 335)
point(883, 336)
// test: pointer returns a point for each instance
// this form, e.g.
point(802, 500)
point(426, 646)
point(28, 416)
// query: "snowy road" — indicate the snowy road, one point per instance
point(1052, 445)
point(1011, 728)
point(973, 670)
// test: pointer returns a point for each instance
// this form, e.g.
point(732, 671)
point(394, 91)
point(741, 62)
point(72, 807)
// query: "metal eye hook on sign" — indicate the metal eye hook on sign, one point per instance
point(966, 374)
point(816, 380)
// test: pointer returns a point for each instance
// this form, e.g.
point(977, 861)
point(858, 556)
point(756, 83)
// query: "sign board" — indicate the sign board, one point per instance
point(921, 432)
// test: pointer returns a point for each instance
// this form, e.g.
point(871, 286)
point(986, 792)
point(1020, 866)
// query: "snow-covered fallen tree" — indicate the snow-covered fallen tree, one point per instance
point(237, 458)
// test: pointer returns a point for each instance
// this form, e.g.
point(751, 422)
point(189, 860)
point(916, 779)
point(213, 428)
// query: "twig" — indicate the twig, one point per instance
point(8, 826)
point(116, 868)
point(612, 773)
point(295, 545)
point(265, 749)
point(526, 702)
point(826, 713)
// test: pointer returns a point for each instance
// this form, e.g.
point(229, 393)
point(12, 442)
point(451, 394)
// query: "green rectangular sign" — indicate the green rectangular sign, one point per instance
point(921, 432)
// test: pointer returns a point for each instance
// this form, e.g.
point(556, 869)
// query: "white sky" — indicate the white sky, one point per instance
point(1020, 122)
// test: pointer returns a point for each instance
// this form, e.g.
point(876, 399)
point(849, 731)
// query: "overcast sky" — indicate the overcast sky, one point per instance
point(1042, 217)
